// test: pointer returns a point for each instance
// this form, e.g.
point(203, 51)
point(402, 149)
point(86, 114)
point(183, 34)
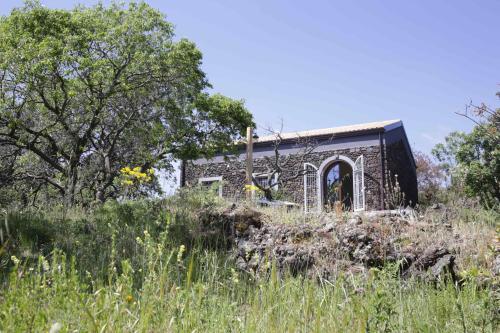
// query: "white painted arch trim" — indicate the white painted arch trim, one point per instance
point(326, 163)
point(321, 172)
point(212, 179)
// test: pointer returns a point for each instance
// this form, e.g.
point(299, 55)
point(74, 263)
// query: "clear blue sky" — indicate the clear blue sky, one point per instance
point(319, 64)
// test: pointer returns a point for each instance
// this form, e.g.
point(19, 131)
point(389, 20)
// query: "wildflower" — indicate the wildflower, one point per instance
point(125, 170)
point(251, 188)
point(234, 276)
point(56, 327)
point(15, 260)
point(129, 298)
point(45, 264)
point(182, 248)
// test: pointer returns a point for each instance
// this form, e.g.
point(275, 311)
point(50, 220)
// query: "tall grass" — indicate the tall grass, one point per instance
point(137, 267)
point(202, 293)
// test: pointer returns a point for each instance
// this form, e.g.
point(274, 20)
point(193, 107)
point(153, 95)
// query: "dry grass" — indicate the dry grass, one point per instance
point(470, 232)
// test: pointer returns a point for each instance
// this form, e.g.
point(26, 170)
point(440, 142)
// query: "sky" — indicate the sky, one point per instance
point(317, 64)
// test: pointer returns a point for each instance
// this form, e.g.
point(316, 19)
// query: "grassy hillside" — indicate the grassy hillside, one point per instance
point(139, 266)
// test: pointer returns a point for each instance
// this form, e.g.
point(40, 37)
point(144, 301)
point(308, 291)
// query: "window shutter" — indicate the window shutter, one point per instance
point(310, 188)
point(359, 184)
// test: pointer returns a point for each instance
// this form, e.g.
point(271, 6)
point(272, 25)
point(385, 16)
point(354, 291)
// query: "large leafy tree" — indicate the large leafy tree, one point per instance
point(87, 91)
point(446, 152)
point(479, 156)
point(473, 159)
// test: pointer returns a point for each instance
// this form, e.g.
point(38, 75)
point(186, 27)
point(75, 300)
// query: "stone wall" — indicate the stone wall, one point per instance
point(233, 174)
point(401, 166)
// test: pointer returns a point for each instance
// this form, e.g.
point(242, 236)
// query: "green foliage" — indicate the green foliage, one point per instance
point(87, 91)
point(134, 268)
point(473, 160)
point(201, 292)
point(446, 152)
point(479, 163)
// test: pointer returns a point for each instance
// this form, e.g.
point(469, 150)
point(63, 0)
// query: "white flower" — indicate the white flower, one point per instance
point(56, 327)
point(45, 264)
point(15, 260)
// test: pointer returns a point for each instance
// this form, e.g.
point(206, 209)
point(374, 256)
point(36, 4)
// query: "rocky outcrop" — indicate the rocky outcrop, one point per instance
point(323, 250)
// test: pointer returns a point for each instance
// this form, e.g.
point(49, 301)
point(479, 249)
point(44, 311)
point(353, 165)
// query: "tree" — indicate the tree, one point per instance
point(446, 153)
point(473, 160)
point(430, 176)
point(479, 155)
point(88, 91)
point(281, 170)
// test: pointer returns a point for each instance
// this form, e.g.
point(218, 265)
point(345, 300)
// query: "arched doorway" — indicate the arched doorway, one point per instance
point(340, 183)
point(338, 187)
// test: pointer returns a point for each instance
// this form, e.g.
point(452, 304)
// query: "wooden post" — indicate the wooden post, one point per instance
point(249, 169)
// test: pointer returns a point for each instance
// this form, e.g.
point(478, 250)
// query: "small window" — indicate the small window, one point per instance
point(212, 183)
point(262, 180)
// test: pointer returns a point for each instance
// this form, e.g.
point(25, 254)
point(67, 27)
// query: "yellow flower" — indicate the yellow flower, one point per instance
point(251, 188)
point(125, 170)
point(129, 298)
point(127, 182)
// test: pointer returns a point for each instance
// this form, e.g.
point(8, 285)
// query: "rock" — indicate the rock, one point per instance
point(496, 266)
point(244, 218)
point(444, 267)
point(355, 220)
point(321, 251)
point(434, 264)
point(437, 206)
point(329, 227)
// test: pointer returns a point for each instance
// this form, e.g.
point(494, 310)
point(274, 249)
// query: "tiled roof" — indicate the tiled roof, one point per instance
point(378, 125)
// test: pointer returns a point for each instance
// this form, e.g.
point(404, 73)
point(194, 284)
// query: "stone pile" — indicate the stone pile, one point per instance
point(335, 245)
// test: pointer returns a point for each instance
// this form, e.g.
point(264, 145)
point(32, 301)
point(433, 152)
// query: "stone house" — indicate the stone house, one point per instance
point(358, 166)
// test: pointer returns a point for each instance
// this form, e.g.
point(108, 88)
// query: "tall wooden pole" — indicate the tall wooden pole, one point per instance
point(249, 169)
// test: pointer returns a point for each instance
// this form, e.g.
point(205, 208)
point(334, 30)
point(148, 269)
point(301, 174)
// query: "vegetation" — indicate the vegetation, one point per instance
point(133, 267)
point(93, 103)
point(472, 161)
point(431, 177)
point(86, 92)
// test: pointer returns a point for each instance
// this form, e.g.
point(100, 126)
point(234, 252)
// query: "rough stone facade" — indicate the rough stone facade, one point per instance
point(400, 164)
point(233, 174)
point(383, 156)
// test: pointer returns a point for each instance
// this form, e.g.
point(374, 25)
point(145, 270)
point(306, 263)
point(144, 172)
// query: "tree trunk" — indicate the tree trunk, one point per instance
point(69, 193)
point(70, 188)
point(99, 196)
point(268, 194)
